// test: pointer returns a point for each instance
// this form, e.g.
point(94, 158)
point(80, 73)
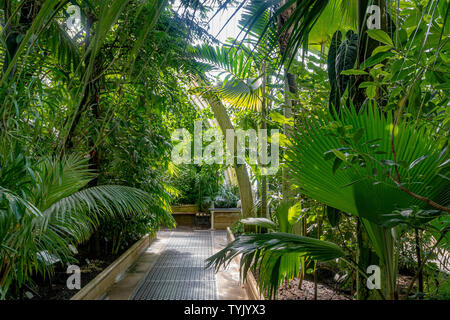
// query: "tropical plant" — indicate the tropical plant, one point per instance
point(51, 210)
point(226, 197)
point(363, 186)
point(287, 266)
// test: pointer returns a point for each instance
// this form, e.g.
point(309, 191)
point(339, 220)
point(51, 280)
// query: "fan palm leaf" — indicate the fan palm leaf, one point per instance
point(367, 191)
point(241, 86)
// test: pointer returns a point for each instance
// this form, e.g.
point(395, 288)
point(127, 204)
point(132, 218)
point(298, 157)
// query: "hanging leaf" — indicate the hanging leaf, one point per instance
point(337, 163)
point(381, 36)
point(375, 59)
point(339, 154)
point(381, 49)
point(345, 59)
point(336, 41)
point(333, 215)
point(295, 213)
point(371, 92)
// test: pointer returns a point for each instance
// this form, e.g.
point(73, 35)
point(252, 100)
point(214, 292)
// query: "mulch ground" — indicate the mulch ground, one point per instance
point(327, 292)
point(57, 289)
point(324, 292)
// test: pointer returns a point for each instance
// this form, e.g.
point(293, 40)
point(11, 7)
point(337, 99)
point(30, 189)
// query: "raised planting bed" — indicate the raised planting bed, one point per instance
point(98, 287)
point(251, 287)
point(222, 218)
point(184, 215)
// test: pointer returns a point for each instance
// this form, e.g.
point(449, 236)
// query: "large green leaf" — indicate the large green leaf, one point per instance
point(241, 87)
point(358, 190)
point(345, 59)
point(336, 41)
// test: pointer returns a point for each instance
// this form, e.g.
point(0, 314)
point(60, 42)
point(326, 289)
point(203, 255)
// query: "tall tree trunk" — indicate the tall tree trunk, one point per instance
point(245, 186)
point(90, 94)
point(291, 88)
point(263, 210)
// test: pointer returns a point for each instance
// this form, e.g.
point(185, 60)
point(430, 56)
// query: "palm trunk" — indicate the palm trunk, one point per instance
point(245, 187)
point(90, 97)
point(263, 211)
point(290, 85)
point(319, 231)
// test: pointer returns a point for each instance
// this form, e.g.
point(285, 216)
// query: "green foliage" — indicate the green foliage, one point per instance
point(122, 232)
point(270, 253)
point(51, 209)
point(226, 197)
point(360, 182)
point(289, 264)
point(196, 183)
point(365, 172)
point(113, 91)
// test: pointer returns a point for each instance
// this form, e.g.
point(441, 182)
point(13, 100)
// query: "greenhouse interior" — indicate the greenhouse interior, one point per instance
point(218, 150)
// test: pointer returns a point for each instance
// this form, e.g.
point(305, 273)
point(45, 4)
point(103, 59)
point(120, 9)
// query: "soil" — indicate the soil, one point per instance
point(327, 288)
point(324, 292)
point(56, 288)
point(327, 292)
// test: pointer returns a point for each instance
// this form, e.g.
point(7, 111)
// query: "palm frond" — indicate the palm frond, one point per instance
point(260, 222)
point(256, 20)
point(271, 255)
point(63, 214)
point(77, 215)
point(64, 48)
point(364, 187)
point(240, 87)
point(59, 178)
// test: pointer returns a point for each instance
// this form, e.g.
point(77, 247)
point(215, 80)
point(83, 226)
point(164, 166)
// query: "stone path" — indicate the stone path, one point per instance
point(173, 268)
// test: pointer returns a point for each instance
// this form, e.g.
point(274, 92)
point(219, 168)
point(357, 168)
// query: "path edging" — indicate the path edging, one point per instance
point(98, 286)
point(251, 287)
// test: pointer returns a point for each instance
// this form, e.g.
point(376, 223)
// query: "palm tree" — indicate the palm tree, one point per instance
point(248, 68)
point(47, 207)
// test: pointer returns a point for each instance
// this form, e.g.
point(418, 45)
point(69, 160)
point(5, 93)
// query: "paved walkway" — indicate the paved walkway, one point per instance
point(173, 268)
